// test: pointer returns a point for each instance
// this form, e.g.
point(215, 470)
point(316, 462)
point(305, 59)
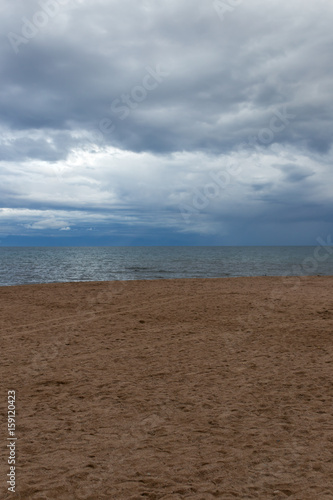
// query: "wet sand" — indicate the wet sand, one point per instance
point(170, 389)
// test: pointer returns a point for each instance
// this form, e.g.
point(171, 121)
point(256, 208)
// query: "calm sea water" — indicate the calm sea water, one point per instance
point(24, 265)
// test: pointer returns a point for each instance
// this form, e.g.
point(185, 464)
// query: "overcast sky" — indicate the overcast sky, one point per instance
point(166, 122)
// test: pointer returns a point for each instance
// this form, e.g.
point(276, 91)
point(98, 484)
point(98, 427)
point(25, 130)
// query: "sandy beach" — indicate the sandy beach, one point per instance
point(170, 389)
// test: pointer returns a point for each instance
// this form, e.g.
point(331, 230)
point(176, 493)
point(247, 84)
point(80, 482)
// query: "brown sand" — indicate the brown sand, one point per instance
point(171, 389)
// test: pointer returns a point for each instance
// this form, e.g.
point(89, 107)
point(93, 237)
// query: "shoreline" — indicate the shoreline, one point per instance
point(276, 276)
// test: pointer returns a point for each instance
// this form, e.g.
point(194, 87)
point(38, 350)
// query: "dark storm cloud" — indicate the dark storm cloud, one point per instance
point(225, 79)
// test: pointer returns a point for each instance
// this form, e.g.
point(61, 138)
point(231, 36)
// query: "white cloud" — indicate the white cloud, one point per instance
point(46, 224)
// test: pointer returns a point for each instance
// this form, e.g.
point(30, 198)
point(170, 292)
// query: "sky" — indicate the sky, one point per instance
point(171, 122)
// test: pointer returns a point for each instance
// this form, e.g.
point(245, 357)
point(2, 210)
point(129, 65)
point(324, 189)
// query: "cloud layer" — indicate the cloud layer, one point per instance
point(186, 122)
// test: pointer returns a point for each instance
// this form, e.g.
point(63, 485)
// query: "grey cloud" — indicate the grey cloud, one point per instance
point(295, 173)
point(223, 89)
point(226, 78)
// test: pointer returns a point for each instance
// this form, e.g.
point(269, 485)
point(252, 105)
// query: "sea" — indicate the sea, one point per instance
point(29, 265)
